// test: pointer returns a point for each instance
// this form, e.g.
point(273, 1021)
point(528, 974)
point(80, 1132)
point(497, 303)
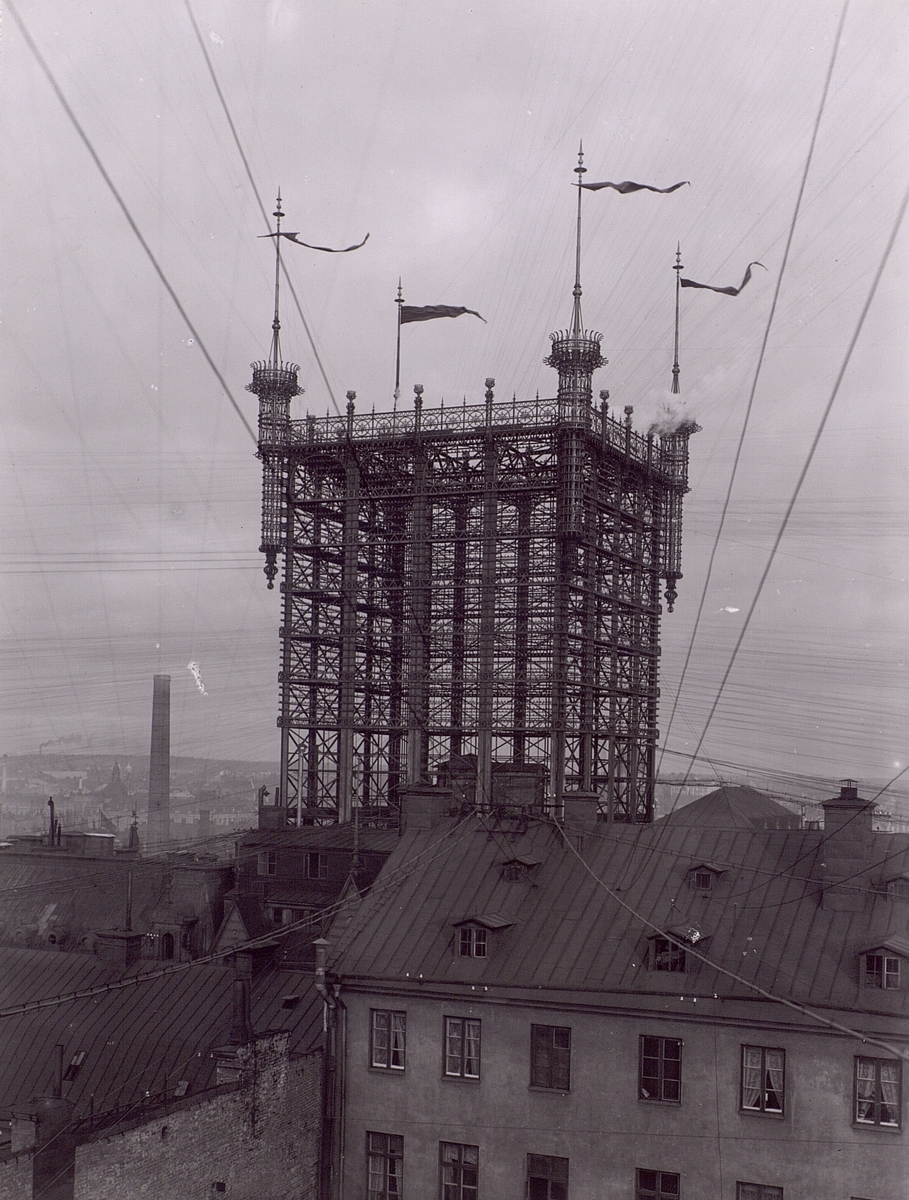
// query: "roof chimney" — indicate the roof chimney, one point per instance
point(159, 765)
point(423, 805)
point(846, 848)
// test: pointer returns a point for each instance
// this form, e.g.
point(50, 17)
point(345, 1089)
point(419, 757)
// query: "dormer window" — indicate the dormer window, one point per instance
point(704, 876)
point(666, 955)
point(519, 867)
point(473, 935)
point(472, 941)
point(667, 951)
point(896, 888)
point(881, 965)
point(882, 971)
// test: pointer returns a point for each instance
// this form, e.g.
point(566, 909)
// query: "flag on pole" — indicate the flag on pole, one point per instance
point(295, 237)
point(725, 291)
point(430, 311)
point(628, 186)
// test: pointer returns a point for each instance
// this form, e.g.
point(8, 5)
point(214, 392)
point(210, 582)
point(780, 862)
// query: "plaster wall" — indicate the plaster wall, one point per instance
point(813, 1152)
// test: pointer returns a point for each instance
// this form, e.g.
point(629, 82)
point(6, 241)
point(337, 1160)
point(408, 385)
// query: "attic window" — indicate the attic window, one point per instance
point(882, 971)
point(472, 941)
point(666, 955)
point(518, 867)
point(704, 877)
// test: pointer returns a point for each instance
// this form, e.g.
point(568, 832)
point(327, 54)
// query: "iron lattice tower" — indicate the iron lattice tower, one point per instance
point(477, 585)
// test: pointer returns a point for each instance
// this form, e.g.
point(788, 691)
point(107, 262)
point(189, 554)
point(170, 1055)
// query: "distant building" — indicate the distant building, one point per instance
point(59, 896)
point(714, 1005)
point(285, 875)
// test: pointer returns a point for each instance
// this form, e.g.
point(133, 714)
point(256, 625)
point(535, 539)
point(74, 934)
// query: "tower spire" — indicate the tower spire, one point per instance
point(576, 351)
point(678, 268)
point(577, 323)
point(274, 357)
point(275, 383)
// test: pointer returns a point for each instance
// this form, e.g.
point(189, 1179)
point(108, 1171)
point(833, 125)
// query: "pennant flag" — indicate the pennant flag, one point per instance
point(725, 291)
point(431, 311)
point(295, 237)
point(627, 186)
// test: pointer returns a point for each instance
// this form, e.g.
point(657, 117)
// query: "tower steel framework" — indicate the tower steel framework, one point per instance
point(477, 585)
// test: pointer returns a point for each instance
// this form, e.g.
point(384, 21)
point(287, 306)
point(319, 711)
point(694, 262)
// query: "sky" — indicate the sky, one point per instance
point(138, 152)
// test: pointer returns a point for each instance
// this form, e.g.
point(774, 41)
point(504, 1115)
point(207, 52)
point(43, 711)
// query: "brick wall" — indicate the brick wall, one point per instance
point(16, 1177)
point(258, 1141)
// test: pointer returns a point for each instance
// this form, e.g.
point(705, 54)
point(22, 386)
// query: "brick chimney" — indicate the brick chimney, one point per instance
point(159, 766)
point(423, 805)
point(119, 947)
point(846, 850)
point(581, 811)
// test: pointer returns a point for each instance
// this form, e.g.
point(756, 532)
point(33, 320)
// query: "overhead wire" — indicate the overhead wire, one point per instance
point(762, 352)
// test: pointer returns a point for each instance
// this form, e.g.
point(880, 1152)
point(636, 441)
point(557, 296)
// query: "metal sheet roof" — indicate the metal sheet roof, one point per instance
point(139, 1040)
point(764, 914)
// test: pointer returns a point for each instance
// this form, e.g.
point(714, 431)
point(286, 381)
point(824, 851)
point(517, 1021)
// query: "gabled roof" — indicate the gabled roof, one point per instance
point(734, 807)
point(487, 920)
point(243, 921)
point(136, 1040)
point(571, 933)
point(893, 943)
point(716, 868)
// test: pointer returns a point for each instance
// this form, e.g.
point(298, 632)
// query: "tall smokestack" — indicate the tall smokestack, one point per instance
point(159, 765)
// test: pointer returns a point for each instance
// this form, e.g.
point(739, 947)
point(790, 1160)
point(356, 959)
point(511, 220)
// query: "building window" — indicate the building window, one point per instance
point(315, 866)
point(763, 1079)
point(757, 1191)
point(287, 916)
point(387, 1039)
point(547, 1177)
point(666, 955)
point(877, 1092)
point(462, 1048)
point(167, 946)
point(882, 971)
point(656, 1185)
point(267, 862)
point(472, 941)
point(550, 1057)
point(661, 1069)
point(385, 1166)
point(460, 1169)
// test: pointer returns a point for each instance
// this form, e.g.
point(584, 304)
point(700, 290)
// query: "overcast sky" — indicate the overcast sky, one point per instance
point(449, 132)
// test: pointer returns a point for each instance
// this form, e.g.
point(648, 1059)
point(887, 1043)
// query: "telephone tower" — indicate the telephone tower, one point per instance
point(476, 586)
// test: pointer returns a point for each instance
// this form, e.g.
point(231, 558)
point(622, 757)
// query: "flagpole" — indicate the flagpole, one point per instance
point(678, 268)
point(399, 301)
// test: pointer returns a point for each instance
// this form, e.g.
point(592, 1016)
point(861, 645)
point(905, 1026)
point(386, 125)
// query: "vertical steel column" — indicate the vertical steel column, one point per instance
point(521, 633)
point(486, 654)
point(458, 618)
point(419, 624)
point(348, 601)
